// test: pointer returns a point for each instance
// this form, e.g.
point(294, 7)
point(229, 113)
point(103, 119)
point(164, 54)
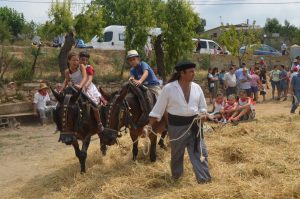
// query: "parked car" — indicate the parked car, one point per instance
point(205, 46)
point(261, 49)
point(79, 43)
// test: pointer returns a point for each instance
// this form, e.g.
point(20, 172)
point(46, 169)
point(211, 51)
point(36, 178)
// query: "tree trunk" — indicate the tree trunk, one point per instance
point(64, 51)
point(159, 54)
point(123, 67)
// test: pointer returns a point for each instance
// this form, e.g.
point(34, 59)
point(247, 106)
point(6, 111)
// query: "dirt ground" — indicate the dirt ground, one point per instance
point(35, 165)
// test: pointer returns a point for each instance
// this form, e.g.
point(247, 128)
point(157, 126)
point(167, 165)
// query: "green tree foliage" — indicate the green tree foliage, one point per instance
point(272, 26)
point(201, 25)
point(61, 19)
point(287, 32)
point(5, 34)
point(89, 22)
point(234, 39)
point(14, 20)
point(114, 11)
point(138, 24)
point(178, 30)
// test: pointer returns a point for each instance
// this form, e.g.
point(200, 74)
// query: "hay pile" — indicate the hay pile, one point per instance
point(252, 160)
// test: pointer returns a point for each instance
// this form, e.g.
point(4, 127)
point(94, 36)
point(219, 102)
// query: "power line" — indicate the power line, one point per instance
point(245, 3)
point(195, 2)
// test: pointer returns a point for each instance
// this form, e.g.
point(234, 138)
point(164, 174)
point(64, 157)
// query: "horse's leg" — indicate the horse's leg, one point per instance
point(134, 137)
point(103, 147)
point(77, 151)
point(161, 140)
point(83, 152)
point(153, 139)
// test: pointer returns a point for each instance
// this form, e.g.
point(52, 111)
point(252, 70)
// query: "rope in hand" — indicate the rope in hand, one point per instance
point(197, 119)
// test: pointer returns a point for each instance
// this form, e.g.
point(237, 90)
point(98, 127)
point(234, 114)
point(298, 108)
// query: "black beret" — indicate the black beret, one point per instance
point(184, 65)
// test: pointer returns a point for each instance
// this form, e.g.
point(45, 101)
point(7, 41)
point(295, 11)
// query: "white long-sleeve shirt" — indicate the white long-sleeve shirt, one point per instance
point(173, 101)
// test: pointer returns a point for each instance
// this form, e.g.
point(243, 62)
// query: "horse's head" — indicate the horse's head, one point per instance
point(118, 112)
point(67, 113)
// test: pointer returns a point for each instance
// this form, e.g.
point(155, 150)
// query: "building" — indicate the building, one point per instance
point(216, 32)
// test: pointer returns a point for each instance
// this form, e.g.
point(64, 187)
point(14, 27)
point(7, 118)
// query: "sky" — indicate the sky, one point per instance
point(214, 14)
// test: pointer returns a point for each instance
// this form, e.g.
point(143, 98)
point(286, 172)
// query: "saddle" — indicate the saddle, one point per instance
point(146, 100)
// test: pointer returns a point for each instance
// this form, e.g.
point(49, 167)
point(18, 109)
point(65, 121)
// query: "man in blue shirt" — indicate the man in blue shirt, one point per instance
point(142, 74)
point(295, 89)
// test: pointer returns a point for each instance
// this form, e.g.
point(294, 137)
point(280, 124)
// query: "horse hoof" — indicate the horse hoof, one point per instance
point(163, 146)
point(82, 172)
point(153, 159)
point(134, 158)
point(104, 153)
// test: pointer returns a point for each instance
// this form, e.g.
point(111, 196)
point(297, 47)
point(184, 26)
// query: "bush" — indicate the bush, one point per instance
point(23, 73)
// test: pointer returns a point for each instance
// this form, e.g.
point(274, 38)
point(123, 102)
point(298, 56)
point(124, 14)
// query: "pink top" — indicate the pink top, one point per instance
point(254, 80)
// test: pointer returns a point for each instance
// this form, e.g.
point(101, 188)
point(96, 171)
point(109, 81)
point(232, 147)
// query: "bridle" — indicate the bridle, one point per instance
point(65, 115)
point(123, 112)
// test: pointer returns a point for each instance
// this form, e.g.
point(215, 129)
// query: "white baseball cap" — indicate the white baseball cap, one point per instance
point(132, 53)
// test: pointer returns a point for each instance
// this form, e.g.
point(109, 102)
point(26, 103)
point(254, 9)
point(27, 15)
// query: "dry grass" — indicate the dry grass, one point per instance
point(252, 160)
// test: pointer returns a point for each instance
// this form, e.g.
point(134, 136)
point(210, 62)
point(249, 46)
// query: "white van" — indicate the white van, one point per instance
point(208, 47)
point(114, 37)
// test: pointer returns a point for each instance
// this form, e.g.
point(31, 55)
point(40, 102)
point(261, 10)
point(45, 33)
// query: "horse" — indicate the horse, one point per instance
point(77, 122)
point(124, 110)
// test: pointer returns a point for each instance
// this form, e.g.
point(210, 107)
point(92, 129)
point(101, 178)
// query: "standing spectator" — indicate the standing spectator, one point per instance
point(262, 62)
point(283, 48)
point(239, 74)
point(263, 89)
point(295, 65)
point(221, 79)
point(230, 82)
point(245, 80)
point(40, 103)
point(295, 90)
point(215, 74)
point(283, 84)
point(159, 78)
point(211, 85)
point(255, 84)
point(274, 78)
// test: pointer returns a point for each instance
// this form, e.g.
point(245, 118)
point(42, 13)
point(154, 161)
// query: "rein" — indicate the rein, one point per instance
point(65, 115)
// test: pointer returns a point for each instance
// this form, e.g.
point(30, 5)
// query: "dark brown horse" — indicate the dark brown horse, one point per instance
point(124, 110)
point(75, 120)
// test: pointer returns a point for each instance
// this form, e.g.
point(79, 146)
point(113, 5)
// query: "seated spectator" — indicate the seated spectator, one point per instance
point(218, 104)
point(244, 108)
point(40, 103)
point(229, 107)
point(58, 88)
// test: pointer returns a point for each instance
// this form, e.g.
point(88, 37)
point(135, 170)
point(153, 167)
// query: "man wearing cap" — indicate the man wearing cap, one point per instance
point(142, 74)
point(41, 98)
point(183, 100)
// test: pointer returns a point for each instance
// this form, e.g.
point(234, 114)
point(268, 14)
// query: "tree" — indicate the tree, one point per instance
point(14, 20)
point(175, 17)
point(5, 34)
point(113, 11)
point(89, 22)
point(61, 21)
point(272, 26)
point(234, 39)
point(178, 30)
point(201, 25)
